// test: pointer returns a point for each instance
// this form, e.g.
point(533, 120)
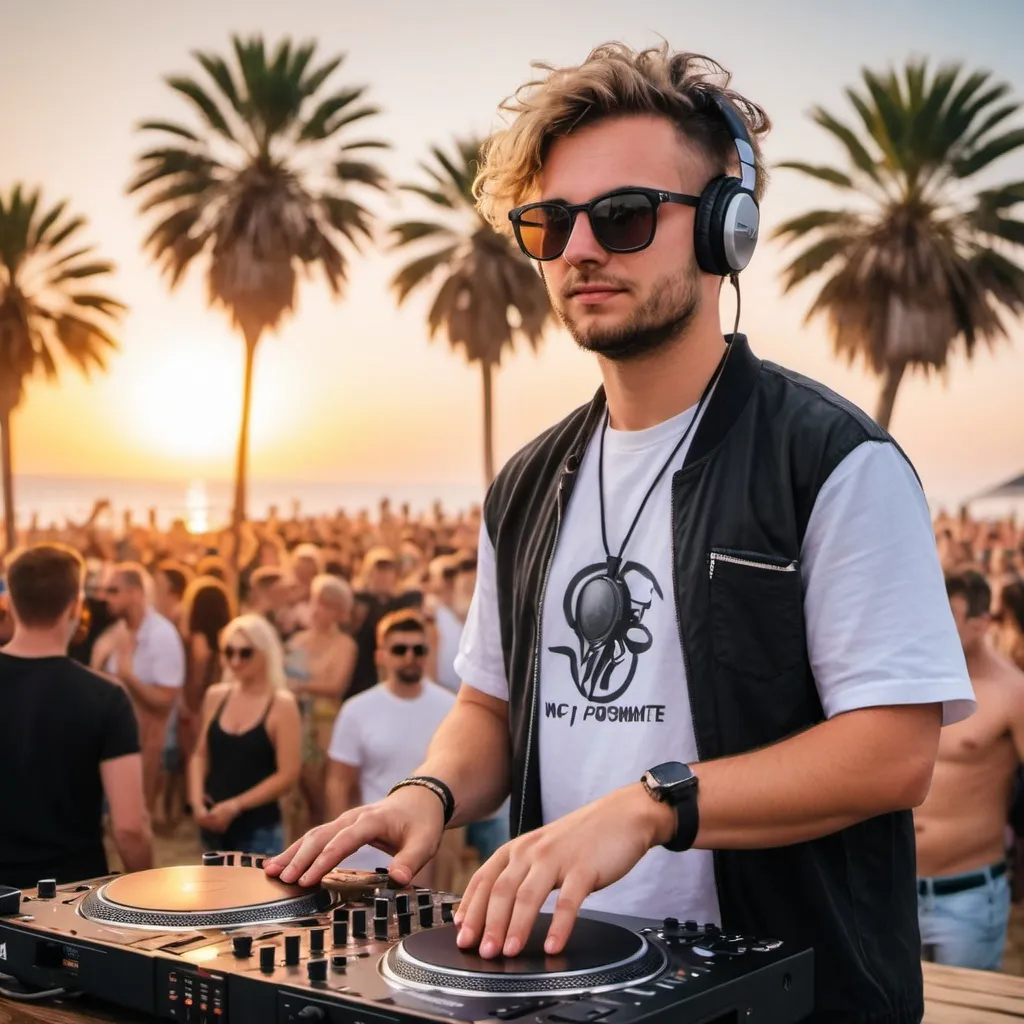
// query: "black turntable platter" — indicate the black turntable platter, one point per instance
point(600, 956)
point(190, 897)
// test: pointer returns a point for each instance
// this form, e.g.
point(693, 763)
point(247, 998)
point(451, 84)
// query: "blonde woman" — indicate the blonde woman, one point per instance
point(248, 754)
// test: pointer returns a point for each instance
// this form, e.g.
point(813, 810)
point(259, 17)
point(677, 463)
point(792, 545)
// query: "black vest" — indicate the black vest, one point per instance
point(767, 442)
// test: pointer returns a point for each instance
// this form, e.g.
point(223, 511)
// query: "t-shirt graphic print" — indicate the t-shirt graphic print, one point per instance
point(612, 678)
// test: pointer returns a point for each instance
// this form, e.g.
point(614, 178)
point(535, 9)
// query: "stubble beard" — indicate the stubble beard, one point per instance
point(663, 317)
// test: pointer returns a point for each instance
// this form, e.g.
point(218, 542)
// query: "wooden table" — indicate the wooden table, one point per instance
point(952, 996)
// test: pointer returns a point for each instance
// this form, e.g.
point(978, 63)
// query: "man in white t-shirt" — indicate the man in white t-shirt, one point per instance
point(709, 652)
point(383, 733)
point(145, 652)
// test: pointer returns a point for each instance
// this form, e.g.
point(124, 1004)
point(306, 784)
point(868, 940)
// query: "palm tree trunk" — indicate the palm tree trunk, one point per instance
point(7, 473)
point(242, 460)
point(887, 399)
point(487, 368)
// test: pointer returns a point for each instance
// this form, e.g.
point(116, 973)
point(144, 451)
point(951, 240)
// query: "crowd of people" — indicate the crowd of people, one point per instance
point(269, 692)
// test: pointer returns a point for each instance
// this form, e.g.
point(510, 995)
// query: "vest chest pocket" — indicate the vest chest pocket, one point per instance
point(757, 616)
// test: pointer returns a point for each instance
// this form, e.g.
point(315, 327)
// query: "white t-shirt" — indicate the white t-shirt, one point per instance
point(449, 635)
point(159, 656)
point(878, 625)
point(386, 738)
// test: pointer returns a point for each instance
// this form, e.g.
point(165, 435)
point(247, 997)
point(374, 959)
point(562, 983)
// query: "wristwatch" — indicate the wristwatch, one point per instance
point(674, 783)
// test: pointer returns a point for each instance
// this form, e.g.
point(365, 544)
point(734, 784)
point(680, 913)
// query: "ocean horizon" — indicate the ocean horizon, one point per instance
point(205, 504)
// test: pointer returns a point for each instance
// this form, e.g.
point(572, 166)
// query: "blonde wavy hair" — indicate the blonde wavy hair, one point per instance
point(614, 80)
point(262, 635)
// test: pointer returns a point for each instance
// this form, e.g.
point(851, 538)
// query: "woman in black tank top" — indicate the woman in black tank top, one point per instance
point(248, 754)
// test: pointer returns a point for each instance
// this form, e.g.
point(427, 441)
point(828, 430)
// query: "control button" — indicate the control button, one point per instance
point(380, 928)
point(580, 1013)
point(258, 862)
point(317, 970)
point(765, 945)
point(82, 888)
point(311, 1013)
point(711, 929)
point(268, 956)
point(241, 945)
point(341, 933)
point(316, 940)
point(246, 860)
point(292, 948)
point(380, 871)
point(359, 924)
point(46, 888)
point(404, 924)
point(424, 899)
point(381, 906)
point(229, 859)
point(341, 914)
point(402, 904)
point(690, 926)
point(665, 985)
point(427, 917)
point(213, 859)
point(339, 963)
point(670, 924)
point(641, 992)
point(446, 912)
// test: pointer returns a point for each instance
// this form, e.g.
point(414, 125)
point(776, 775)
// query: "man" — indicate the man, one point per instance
point(963, 890)
point(717, 576)
point(170, 580)
point(382, 734)
point(377, 596)
point(268, 595)
point(145, 653)
point(67, 738)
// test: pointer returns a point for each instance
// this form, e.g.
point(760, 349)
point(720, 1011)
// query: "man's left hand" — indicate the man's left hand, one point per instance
point(577, 854)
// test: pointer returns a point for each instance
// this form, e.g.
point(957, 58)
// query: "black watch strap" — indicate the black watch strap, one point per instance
point(687, 824)
point(436, 786)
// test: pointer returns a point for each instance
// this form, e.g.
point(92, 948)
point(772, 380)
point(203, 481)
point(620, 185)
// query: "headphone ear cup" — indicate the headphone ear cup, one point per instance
point(709, 225)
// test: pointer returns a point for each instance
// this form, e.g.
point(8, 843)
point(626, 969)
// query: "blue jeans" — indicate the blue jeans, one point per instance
point(968, 928)
point(488, 835)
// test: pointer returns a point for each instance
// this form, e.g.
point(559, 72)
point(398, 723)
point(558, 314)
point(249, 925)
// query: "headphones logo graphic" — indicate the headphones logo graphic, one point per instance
point(750, 230)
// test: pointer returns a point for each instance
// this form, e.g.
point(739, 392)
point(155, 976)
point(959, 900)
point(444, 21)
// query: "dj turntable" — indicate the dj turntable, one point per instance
point(221, 943)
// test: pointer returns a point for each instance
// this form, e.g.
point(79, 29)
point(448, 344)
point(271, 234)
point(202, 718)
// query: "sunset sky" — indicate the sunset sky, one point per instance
point(351, 390)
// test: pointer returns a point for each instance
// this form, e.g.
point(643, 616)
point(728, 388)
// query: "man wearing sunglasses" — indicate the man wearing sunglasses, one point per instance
point(710, 651)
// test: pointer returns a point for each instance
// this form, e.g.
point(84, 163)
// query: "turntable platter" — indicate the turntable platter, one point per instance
point(204, 896)
point(599, 956)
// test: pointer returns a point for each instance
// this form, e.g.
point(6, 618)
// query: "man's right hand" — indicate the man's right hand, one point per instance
point(409, 824)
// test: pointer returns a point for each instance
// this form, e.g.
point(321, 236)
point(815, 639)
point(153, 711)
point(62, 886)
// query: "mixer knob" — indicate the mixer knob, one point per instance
point(381, 906)
point(690, 926)
point(241, 945)
point(268, 956)
point(316, 940)
point(380, 929)
point(711, 929)
point(670, 924)
point(229, 859)
point(339, 962)
point(404, 924)
point(292, 948)
point(340, 914)
point(316, 971)
point(46, 888)
point(245, 860)
point(446, 912)
point(402, 904)
point(359, 924)
point(341, 933)
point(427, 917)
point(213, 859)
point(258, 862)
point(424, 899)
point(311, 1013)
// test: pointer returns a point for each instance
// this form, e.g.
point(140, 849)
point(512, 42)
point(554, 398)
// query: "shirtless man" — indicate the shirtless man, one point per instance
point(963, 893)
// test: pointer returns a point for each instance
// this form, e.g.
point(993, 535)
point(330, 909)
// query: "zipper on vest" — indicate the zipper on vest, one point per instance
point(718, 556)
point(570, 467)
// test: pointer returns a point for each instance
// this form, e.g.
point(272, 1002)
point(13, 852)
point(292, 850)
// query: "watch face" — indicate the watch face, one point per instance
point(671, 773)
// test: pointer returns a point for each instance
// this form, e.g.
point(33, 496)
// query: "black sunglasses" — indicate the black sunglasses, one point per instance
point(401, 650)
point(241, 653)
point(622, 221)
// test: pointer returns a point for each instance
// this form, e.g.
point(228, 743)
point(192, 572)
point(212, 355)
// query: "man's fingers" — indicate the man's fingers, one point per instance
point(411, 858)
point(575, 889)
point(532, 893)
point(304, 851)
point(498, 911)
point(345, 841)
point(473, 909)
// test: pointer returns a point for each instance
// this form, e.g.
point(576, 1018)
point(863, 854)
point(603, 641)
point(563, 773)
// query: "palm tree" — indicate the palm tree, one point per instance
point(260, 186)
point(919, 263)
point(488, 291)
point(48, 312)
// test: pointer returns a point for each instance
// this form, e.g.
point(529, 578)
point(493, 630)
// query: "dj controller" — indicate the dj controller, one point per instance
point(222, 943)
